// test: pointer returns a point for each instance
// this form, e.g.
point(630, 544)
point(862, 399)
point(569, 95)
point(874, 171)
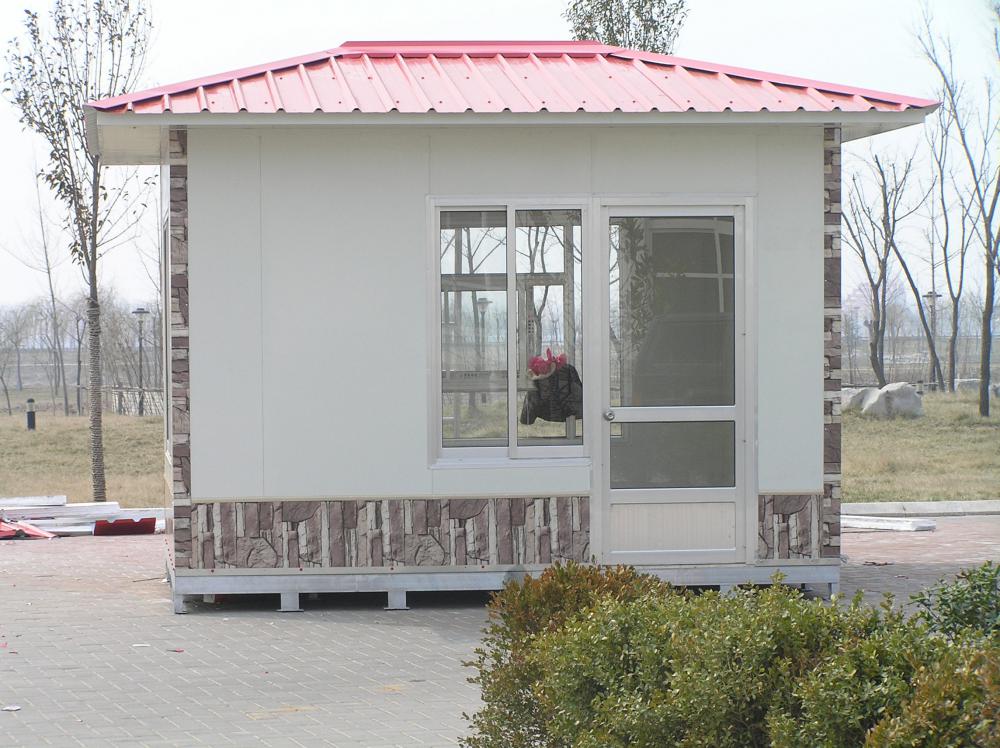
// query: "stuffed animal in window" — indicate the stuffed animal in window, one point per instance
point(557, 393)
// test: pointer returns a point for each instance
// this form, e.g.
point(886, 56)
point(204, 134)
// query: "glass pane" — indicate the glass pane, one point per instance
point(473, 310)
point(674, 455)
point(549, 327)
point(672, 303)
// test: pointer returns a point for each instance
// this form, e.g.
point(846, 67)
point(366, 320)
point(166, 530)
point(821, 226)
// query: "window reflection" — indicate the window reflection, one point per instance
point(549, 282)
point(672, 322)
point(473, 246)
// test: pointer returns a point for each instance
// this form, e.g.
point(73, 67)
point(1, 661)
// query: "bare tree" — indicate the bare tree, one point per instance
point(18, 326)
point(893, 182)
point(866, 239)
point(42, 260)
point(91, 50)
point(5, 351)
point(947, 199)
point(977, 131)
point(652, 25)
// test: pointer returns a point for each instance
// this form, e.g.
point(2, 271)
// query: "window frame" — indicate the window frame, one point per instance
point(440, 455)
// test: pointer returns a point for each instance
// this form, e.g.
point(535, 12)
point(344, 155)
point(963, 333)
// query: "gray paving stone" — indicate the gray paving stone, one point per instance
point(344, 673)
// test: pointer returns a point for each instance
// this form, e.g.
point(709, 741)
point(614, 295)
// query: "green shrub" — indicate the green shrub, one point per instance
point(723, 671)
point(589, 657)
point(868, 674)
point(505, 664)
point(969, 604)
point(956, 702)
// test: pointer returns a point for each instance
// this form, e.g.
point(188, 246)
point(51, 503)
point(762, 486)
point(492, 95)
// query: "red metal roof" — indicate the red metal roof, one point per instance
point(561, 76)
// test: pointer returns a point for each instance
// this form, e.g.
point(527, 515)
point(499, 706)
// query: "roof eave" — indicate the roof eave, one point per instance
point(114, 129)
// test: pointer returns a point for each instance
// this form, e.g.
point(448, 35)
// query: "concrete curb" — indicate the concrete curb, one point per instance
point(922, 508)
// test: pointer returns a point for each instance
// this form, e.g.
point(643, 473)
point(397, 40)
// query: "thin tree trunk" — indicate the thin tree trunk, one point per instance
point(953, 345)
point(931, 347)
point(986, 338)
point(57, 344)
point(95, 384)
point(6, 394)
point(17, 354)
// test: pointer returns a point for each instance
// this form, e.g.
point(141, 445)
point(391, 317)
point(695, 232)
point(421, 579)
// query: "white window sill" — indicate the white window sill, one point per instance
point(462, 463)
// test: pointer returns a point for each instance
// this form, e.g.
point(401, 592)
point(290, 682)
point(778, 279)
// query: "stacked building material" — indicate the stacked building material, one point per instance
point(53, 514)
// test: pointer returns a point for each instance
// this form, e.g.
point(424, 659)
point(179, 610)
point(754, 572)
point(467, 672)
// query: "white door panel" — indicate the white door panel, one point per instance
point(673, 431)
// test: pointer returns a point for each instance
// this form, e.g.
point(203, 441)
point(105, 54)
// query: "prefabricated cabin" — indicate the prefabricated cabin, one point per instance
point(444, 313)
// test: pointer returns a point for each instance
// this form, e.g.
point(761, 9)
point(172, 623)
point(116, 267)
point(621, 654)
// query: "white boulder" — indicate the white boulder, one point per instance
point(895, 400)
point(852, 399)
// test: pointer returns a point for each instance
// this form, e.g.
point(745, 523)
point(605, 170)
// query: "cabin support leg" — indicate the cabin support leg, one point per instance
point(396, 600)
point(179, 606)
point(725, 589)
point(208, 599)
point(289, 603)
point(833, 588)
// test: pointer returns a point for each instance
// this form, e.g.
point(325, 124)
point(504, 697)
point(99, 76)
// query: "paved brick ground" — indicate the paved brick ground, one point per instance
point(87, 645)
point(86, 649)
point(902, 563)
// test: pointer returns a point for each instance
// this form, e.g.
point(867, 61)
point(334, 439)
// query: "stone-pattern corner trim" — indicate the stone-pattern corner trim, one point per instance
point(808, 526)
point(180, 380)
point(389, 533)
point(832, 350)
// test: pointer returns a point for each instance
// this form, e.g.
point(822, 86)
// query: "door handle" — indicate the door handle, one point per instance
point(609, 415)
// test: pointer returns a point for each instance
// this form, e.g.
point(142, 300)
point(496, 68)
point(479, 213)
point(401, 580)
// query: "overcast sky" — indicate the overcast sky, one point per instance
point(868, 43)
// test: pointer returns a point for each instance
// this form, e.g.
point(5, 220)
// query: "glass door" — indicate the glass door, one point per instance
point(673, 426)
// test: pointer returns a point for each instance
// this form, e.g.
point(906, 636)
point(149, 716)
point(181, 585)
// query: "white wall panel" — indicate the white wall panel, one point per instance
point(344, 237)
point(225, 319)
point(516, 481)
point(309, 273)
point(682, 160)
point(790, 311)
point(522, 160)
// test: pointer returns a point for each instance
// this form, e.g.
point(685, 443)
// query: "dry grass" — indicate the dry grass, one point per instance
point(55, 459)
point(950, 453)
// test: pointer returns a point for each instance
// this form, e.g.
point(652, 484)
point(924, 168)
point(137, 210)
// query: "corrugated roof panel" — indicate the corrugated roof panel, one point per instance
point(510, 96)
point(446, 82)
point(417, 77)
point(359, 82)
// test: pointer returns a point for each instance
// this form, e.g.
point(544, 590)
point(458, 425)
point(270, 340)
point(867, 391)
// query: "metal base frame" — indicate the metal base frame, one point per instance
point(824, 578)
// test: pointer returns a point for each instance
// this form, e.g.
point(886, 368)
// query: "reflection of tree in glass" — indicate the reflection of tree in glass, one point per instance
point(474, 250)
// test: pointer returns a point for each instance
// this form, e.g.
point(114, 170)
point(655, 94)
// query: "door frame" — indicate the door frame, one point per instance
point(597, 356)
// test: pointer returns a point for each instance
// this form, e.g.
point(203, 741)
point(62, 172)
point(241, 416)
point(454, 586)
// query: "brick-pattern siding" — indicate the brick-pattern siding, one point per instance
point(809, 526)
point(180, 381)
point(388, 533)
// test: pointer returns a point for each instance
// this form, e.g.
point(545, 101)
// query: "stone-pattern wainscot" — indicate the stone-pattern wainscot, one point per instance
point(389, 533)
point(808, 526)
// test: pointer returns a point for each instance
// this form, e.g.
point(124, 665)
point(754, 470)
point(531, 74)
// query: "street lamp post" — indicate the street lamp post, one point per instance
point(481, 304)
point(140, 314)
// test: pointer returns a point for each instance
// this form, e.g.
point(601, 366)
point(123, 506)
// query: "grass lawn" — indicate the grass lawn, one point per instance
point(55, 459)
point(950, 453)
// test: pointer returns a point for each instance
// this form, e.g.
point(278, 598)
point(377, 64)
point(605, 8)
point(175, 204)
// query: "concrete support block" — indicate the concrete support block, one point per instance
point(396, 600)
point(289, 603)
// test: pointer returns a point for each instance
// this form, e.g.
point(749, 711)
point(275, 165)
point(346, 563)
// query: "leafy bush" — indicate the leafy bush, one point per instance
point(969, 604)
point(956, 702)
point(506, 664)
point(590, 657)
